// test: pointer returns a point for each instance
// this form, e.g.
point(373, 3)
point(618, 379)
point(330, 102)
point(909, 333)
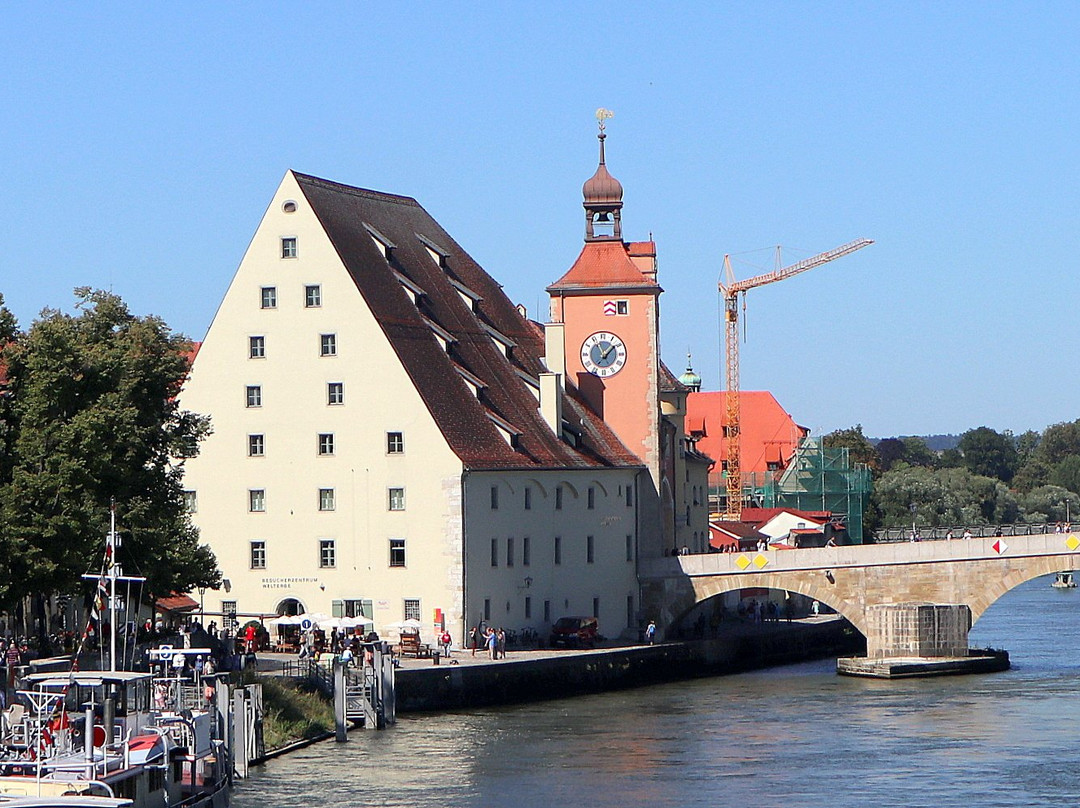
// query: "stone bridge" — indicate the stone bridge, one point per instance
point(855, 578)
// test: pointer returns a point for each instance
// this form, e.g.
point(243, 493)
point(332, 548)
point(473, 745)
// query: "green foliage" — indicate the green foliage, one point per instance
point(1050, 503)
point(1058, 442)
point(293, 713)
point(860, 450)
point(1066, 474)
point(94, 418)
point(989, 453)
point(948, 496)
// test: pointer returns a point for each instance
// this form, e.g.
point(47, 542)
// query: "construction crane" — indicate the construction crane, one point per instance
point(730, 290)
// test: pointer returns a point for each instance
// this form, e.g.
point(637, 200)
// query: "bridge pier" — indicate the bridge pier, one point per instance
point(919, 639)
point(917, 630)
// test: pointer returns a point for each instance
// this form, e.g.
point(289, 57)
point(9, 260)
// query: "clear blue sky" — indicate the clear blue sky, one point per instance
point(142, 142)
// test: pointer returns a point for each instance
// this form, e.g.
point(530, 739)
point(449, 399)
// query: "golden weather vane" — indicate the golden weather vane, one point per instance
point(602, 115)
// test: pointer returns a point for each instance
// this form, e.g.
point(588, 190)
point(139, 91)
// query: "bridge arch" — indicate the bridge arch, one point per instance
point(852, 579)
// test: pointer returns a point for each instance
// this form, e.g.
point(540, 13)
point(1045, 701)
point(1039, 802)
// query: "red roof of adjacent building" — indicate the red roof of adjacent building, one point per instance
point(769, 433)
point(759, 516)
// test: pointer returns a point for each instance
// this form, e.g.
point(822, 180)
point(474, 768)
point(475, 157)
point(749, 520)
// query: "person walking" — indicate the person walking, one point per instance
point(650, 632)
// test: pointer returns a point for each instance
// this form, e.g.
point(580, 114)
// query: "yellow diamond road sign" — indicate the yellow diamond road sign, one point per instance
point(1072, 542)
point(742, 562)
point(760, 561)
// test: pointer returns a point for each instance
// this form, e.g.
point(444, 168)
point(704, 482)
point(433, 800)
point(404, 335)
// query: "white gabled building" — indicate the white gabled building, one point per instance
point(388, 438)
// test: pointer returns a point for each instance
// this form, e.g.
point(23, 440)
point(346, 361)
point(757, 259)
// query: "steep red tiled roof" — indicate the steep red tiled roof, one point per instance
point(769, 434)
point(464, 419)
point(603, 263)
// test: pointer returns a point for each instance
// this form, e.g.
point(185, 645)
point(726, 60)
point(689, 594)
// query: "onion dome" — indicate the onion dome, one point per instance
point(691, 379)
point(602, 188)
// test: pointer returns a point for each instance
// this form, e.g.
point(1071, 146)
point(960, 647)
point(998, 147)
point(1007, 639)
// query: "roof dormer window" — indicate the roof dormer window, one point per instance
point(437, 253)
point(384, 244)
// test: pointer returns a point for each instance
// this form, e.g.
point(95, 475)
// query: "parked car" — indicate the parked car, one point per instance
point(575, 632)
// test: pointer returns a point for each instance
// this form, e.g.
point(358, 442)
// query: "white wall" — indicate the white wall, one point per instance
point(571, 585)
point(379, 397)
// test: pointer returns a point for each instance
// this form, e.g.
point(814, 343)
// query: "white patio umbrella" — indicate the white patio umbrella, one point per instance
point(285, 620)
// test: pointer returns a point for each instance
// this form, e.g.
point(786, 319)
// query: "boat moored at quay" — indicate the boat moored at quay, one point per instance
point(113, 738)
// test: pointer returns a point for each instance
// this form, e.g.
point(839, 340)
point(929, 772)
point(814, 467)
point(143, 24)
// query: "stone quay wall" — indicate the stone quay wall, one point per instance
point(455, 687)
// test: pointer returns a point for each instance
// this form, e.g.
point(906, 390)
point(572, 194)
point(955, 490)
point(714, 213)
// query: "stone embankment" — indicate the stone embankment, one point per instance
point(536, 675)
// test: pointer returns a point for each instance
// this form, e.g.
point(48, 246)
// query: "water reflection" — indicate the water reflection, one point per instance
point(792, 736)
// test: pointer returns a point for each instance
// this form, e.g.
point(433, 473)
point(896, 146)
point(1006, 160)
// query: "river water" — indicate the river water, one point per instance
point(793, 736)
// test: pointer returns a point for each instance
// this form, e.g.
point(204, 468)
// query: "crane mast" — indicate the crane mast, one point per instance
point(731, 290)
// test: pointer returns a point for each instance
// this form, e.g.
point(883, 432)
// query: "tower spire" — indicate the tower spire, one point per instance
point(603, 194)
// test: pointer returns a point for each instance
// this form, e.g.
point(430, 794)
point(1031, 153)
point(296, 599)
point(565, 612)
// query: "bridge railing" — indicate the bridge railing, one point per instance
point(895, 534)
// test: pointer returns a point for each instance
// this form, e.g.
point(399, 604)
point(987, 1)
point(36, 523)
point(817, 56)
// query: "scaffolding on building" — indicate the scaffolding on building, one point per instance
point(816, 479)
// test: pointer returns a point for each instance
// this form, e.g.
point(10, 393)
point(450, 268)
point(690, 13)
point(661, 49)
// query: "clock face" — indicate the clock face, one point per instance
point(603, 354)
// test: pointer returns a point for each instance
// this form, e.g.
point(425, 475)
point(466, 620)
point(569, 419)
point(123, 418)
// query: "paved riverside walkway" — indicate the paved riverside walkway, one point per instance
point(272, 662)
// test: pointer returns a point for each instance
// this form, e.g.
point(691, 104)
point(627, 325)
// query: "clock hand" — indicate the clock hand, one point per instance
point(604, 353)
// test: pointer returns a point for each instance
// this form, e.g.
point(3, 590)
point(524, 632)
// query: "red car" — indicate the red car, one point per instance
point(575, 632)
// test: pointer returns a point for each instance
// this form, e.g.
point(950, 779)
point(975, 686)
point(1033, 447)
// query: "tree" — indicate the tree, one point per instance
point(1058, 442)
point(93, 402)
point(952, 496)
point(1066, 474)
point(890, 451)
point(1049, 503)
point(917, 453)
point(860, 450)
point(988, 453)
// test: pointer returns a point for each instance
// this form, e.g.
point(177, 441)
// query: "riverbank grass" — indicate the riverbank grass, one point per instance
point(293, 712)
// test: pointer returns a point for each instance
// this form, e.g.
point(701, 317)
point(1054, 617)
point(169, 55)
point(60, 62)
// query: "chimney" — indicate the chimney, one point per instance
point(551, 401)
point(555, 347)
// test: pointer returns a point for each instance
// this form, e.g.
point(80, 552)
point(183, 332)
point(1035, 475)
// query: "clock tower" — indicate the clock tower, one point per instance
point(608, 303)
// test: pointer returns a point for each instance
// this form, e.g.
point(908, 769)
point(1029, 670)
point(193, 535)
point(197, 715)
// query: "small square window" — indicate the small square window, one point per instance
point(395, 443)
point(622, 307)
point(254, 395)
point(412, 609)
point(327, 500)
point(288, 247)
point(257, 500)
point(258, 555)
point(327, 345)
point(590, 548)
point(335, 393)
point(191, 502)
point(397, 552)
point(327, 554)
point(326, 443)
point(396, 499)
point(257, 347)
point(494, 552)
point(269, 297)
point(256, 445)
point(312, 296)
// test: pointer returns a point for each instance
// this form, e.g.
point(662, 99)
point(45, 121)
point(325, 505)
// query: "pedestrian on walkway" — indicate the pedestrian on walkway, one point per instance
point(650, 632)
